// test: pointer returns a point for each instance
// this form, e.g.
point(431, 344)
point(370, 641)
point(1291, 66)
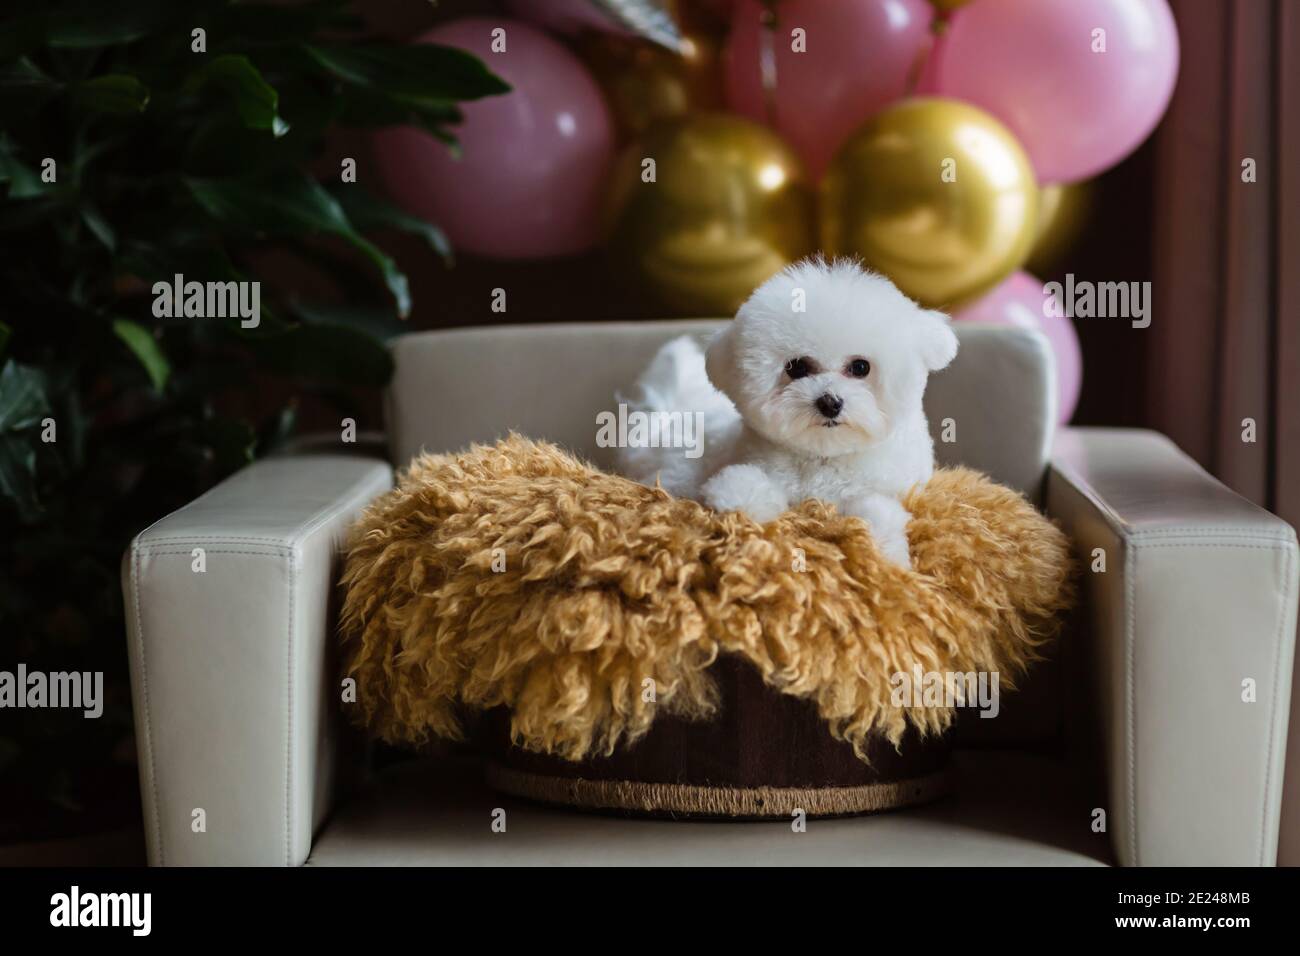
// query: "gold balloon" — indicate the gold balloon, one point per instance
point(1063, 211)
point(948, 6)
point(644, 83)
point(937, 195)
point(728, 206)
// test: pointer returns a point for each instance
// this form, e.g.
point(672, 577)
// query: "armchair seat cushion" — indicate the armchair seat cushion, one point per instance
point(585, 604)
point(1007, 808)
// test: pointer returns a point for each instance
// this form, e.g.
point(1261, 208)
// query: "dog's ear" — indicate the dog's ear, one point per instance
point(938, 342)
point(720, 360)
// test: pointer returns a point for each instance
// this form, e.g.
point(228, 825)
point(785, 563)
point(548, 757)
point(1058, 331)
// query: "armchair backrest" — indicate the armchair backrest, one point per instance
point(993, 409)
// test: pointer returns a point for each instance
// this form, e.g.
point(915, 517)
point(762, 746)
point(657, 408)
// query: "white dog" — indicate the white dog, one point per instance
point(819, 381)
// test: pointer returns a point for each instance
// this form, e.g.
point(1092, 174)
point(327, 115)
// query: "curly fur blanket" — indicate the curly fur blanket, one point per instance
point(516, 575)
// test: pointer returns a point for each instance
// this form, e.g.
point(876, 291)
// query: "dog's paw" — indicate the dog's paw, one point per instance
point(887, 519)
point(745, 488)
point(895, 548)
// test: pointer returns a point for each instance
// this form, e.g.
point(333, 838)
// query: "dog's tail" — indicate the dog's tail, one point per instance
point(675, 391)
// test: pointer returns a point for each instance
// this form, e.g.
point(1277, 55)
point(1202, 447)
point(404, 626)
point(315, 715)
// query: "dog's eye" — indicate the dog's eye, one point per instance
point(858, 368)
point(799, 368)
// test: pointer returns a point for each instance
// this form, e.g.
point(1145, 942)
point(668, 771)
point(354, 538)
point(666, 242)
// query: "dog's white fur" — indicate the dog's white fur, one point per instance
point(767, 446)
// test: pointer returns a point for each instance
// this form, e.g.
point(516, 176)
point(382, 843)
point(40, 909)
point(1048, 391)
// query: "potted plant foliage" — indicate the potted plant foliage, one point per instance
point(170, 140)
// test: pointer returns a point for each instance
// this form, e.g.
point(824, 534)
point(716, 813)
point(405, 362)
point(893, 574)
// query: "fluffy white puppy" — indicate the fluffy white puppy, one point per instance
point(819, 381)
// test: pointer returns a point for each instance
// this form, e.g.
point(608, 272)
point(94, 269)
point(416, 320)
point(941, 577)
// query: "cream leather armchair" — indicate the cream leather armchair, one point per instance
point(1179, 661)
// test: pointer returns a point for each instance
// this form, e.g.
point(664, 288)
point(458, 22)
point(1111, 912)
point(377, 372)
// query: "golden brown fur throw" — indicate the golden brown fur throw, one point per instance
point(515, 575)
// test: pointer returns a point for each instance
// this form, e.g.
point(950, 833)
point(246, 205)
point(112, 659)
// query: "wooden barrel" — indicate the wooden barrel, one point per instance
point(764, 754)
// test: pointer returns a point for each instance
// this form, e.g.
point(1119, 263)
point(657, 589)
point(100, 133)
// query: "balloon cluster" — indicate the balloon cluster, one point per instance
point(943, 142)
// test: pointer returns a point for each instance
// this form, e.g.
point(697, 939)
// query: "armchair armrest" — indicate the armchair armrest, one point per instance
point(1198, 596)
point(229, 610)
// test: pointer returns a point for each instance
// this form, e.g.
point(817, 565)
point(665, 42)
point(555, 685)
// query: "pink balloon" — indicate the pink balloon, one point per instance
point(1031, 63)
point(857, 59)
point(565, 16)
point(533, 163)
point(1019, 301)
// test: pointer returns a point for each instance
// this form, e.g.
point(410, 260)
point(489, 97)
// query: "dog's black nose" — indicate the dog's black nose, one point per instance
point(829, 405)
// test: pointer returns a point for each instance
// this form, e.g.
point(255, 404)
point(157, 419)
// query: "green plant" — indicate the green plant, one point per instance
point(131, 152)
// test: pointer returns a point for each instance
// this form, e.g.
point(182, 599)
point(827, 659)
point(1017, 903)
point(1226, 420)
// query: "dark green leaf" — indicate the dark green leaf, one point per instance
point(366, 212)
point(154, 261)
point(97, 224)
point(375, 322)
point(25, 77)
point(145, 348)
point(23, 182)
point(420, 73)
point(292, 205)
point(5, 332)
point(23, 401)
point(24, 88)
point(23, 404)
point(394, 278)
point(255, 100)
point(18, 475)
point(276, 431)
point(223, 146)
point(88, 23)
point(86, 151)
point(364, 107)
point(72, 426)
point(116, 94)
